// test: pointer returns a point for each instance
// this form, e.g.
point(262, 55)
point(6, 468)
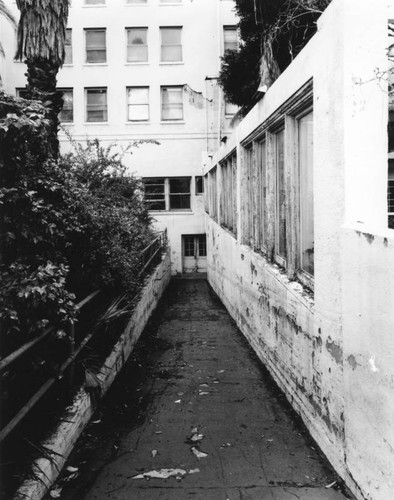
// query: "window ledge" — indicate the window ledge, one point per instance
point(172, 122)
point(142, 4)
point(98, 6)
point(171, 63)
point(95, 64)
point(96, 123)
point(67, 65)
point(144, 63)
point(170, 4)
point(172, 212)
point(131, 122)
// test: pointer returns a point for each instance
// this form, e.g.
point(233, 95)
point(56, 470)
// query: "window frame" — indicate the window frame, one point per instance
point(145, 45)
point(68, 48)
point(168, 193)
point(165, 88)
point(142, 120)
point(64, 90)
point(91, 30)
point(163, 29)
point(230, 28)
point(105, 108)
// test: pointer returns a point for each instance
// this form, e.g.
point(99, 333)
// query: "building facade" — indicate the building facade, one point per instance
point(146, 70)
point(300, 238)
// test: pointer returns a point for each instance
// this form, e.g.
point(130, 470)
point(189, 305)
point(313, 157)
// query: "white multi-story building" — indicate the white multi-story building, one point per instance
point(147, 70)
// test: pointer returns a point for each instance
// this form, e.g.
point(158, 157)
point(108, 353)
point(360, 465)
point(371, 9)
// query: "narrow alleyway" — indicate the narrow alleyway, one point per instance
point(195, 398)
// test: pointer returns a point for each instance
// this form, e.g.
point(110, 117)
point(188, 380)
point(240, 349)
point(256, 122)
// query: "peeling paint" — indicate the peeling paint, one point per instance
point(335, 350)
point(352, 361)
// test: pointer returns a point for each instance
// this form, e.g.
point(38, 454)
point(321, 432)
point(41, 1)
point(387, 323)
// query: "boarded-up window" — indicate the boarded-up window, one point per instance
point(138, 104)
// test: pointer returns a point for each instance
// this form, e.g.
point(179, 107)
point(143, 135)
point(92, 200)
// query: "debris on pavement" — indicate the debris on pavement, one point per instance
point(199, 454)
point(154, 453)
point(177, 401)
point(71, 469)
point(165, 473)
point(331, 484)
point(203, 393)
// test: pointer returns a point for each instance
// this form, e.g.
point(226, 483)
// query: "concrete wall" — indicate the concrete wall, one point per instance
point(331, 351)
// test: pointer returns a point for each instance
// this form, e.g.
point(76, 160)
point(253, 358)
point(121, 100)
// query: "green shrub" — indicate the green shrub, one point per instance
point(67, 227)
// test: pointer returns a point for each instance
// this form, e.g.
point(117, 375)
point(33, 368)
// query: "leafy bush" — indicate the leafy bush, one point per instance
point(67, 227)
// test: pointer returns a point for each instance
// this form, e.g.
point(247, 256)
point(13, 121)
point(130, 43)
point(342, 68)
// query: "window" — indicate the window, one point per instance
point(199, 185)
point(206, 193)
point(390, 194)
point(305, 159)
point(280, 194)
point(96, 105)
point(138, 104)
point(262, 219)
point(179, 193)
point(230, 39)
point(94, 2)
point(167, 193)
point(212, 194)
point(68, 59)
point(228, 199)
point(137, 45)
point(390, 127)
point(171, 44)
point(171, 103)
point(66, 115)
point(96, 51)
point(155, 193)
point(21, 93)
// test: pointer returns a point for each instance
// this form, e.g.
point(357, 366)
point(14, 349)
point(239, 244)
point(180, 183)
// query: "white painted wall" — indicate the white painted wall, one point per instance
point(331, 353)
point(181, 143)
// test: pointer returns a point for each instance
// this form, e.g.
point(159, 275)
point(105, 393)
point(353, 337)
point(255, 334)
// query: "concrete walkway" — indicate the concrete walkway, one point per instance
point(195, 398)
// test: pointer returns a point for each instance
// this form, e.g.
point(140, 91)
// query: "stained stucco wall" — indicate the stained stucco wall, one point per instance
point(331, 352)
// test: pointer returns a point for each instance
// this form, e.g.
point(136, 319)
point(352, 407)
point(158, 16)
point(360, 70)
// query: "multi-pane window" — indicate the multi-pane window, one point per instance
point(155, 196)
point(228, 206)
point(68, 59)
point(199, 185)
point(212, 194)
point(262, 219)
point(179, 193)
point(230, 40)
point(138, 104)
point(137, 44)
point(390, 127)
point(171, 103)
point(66, 115)
point(171, 44)
point(305, 155)
point(167, 193)
point(280, 194)
point(96, 51)
point(96, 105)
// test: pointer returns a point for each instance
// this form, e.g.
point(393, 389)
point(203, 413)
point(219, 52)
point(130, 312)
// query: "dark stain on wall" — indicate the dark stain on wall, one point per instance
point(335, 350)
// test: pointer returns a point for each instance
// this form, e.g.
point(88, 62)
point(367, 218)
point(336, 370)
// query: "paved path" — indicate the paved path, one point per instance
point(193, 377)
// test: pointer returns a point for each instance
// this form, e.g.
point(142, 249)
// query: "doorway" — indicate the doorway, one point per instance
point(194, 253)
